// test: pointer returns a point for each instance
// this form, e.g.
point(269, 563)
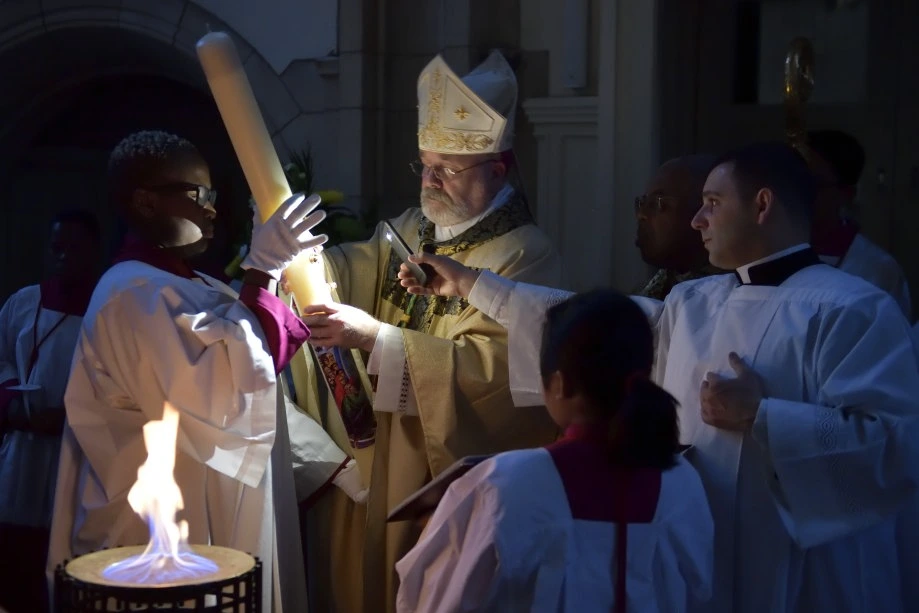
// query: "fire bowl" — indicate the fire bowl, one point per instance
point(81, 587)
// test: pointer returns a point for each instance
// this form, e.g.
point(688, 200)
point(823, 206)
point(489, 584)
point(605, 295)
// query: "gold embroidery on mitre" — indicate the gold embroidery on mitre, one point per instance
point(431, 135)
point(461, 113)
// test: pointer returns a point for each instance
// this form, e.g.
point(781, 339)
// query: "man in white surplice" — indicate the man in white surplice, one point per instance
point(797, 386)
point(156, 330)
point(837, 160)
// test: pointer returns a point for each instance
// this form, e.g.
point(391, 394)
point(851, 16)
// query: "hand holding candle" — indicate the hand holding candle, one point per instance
point(257, 156)
point(279, 240)
point(342, 369)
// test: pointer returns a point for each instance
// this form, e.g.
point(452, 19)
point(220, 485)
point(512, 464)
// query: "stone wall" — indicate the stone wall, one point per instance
point(53, 51)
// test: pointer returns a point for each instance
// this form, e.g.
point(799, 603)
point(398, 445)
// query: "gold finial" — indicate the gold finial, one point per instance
point(799, 84)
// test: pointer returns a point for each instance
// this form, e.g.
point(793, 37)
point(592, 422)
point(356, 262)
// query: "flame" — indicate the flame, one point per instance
point(156, 497)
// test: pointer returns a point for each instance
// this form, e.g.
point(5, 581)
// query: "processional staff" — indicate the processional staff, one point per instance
point(799, 84)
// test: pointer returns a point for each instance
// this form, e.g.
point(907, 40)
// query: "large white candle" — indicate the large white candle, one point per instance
point(257, 155)
point(306, 274)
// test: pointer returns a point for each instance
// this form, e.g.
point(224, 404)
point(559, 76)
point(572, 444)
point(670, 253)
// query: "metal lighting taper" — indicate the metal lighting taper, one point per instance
point(342, 370)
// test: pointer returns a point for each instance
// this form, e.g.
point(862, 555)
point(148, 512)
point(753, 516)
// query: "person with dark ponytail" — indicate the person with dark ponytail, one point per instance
point(608, 518)
point(797, 387)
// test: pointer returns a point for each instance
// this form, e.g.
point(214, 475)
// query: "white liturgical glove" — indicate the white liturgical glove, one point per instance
point(349, 481)
point(279, 240)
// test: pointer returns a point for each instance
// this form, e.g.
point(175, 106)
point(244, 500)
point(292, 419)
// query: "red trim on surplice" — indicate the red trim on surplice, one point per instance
point(73, 300)
point(284, 332)
point(836, 242)
point(135, 248)
point(598, 490)
point(594, 485)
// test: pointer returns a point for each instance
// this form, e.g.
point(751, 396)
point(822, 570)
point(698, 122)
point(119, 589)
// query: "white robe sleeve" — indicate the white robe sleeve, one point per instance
point(848, 460)
point(526, 310)
point(454, 566)
point(904, 300)
point(394, 393)
point(10, 326)
point(653, 309)
point(315, 457)
point(7, 347)
point(521, 308)
point(195, 347)
point(691, 539)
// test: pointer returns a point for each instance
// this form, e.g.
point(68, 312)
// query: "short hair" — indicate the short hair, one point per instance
point(141, 156)
point(85, 219)
point(601, 343)
point(842, 151)
point(776, 166)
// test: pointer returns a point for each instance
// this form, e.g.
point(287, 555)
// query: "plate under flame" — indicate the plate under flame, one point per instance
point(90, 567)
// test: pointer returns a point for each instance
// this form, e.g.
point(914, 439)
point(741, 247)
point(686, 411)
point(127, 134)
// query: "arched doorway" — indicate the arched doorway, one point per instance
point(63, 164)
point(71, 93)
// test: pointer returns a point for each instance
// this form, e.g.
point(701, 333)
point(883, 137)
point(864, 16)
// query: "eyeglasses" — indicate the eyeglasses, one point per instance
point(651, 205)
point(204, 196)
point(440, 173)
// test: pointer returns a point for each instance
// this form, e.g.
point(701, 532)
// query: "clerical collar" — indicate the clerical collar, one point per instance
point(776, 268)
point(445, 233)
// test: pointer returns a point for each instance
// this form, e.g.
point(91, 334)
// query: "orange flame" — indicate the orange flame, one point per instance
point(156, 497)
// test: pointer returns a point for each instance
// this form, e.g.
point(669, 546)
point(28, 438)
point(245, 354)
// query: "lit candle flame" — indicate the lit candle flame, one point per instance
point(156, 497)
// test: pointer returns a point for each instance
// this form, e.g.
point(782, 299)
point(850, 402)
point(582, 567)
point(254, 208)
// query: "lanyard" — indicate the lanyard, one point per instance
point(33, 357)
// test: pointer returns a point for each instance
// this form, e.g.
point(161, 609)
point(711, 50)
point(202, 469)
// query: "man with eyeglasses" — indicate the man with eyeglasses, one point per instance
point(440, 365)
point(665, 237)
point(797, 388)
point(157, 331)
point(837, 160)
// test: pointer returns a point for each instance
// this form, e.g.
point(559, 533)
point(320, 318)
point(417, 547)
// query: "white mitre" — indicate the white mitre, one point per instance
point(474, 114)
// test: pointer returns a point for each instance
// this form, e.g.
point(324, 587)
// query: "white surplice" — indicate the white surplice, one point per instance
point(866, 260)
point(150, 336)
point(503, 539)
point(803, 505)
point(28, 461)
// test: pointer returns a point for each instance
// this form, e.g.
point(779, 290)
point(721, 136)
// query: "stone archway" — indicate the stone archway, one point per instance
point(78, 79)
point(146, 28)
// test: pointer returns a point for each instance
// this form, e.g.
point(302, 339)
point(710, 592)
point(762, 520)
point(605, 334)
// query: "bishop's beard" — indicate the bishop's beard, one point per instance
point(442, 209)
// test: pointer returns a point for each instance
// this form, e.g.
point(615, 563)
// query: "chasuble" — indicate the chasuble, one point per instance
point(452, 397)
